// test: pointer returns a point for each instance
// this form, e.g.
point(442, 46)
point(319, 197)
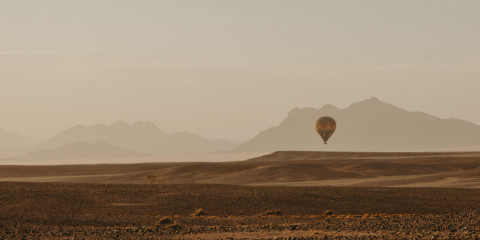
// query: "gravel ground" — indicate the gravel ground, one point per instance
point(96, 211)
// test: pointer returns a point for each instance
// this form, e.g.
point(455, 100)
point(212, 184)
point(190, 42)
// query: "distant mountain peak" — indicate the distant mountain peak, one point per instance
point(372, 103)
point(141, 136)
point(137, 124)
point(329, 107)
point(144, 124)
point(372, 100)
point(368, 125)
point(15, 140)
point(120, 124)
point(84, 150)
point(184, 133)
point(300, 110)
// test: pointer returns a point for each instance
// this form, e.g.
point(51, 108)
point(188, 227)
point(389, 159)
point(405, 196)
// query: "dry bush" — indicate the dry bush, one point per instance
point(328, 212)
point(155, 179)
point(174, 226)
point(151, 178)
point(165, 220)
point(199, 212)
point(241, 223)
point(272, 213)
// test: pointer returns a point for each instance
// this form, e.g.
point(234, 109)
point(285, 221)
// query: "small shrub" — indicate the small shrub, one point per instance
point(174, 226)
point(272, 213)
point(164, 220)
point(241, 223)
point(199, 212)
point(151, 178)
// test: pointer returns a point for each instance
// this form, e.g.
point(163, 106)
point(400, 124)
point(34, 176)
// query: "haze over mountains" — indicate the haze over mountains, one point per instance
point(15, 140)
point(369, 125)
point(142, 137)
point(83, 150)
point(118, 140)
point(14, 144)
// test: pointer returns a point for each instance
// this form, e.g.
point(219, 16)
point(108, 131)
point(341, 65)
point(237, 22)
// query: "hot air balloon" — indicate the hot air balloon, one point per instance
point(325, 127)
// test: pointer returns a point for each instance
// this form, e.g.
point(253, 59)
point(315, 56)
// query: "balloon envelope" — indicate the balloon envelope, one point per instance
point(325, 127)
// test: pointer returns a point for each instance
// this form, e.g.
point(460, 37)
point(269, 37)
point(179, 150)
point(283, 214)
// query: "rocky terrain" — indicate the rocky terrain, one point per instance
point(201, 211)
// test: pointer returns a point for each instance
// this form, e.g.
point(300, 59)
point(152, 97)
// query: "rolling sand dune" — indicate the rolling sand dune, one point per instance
point(421, 169)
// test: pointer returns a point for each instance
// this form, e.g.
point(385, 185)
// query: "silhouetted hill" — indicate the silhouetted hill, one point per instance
point(14, 140)
point(14, 144)
point(83, 150)
point(369, 125)
point(142, 137)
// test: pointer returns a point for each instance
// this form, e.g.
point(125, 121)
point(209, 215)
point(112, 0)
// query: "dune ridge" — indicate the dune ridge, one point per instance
point(291, 168)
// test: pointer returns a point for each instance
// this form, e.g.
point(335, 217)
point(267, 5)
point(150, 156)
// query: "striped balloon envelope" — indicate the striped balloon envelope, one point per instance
point(325, 126)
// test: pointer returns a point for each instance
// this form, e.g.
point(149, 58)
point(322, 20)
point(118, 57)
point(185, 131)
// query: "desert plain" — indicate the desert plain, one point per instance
point(283, 195)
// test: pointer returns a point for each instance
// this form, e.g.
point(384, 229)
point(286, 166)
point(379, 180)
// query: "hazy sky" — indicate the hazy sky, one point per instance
point(229, 69)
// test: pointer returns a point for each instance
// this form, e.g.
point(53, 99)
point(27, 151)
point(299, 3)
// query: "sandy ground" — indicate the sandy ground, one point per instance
point(424, 169)
point(144, 211)
point(283, 195)
point(186, 157)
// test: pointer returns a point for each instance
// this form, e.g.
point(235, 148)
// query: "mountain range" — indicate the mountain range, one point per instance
point(83, 150)
point(120, 139)
point(9, 140)
point(141, 136)
point(369, 125)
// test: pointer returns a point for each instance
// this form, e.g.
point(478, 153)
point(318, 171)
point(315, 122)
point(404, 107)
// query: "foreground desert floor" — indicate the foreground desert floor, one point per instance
point(283, 195)
point(134, 211)
point(429, 169)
